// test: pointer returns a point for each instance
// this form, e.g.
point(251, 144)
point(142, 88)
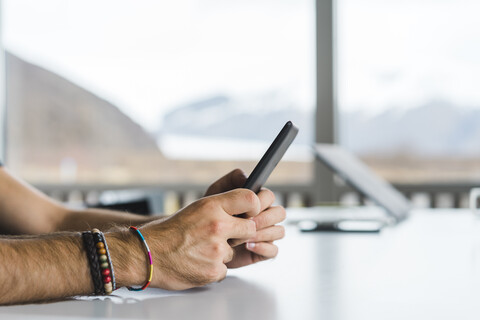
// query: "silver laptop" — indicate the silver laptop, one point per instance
point(392, 207)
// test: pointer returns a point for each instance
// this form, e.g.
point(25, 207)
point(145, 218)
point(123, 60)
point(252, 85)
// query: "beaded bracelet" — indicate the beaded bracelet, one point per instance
point(150, 260)
point(93, 262)
point(114, 283)
point(108, 276)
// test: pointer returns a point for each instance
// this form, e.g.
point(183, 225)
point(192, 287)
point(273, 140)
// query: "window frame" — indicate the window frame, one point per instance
point(326, 110)
point(3, 100)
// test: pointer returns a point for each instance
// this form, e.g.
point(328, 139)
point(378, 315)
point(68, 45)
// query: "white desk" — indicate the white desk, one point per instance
point(426, 268)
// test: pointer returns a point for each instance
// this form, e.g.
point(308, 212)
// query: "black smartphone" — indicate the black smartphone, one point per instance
point(271, 158)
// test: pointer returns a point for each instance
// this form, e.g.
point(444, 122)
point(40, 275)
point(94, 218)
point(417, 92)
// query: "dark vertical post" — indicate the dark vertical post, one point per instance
point(325, 120)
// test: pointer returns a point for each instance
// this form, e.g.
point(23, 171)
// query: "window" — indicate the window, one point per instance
point(407, 87)
point(156, 91)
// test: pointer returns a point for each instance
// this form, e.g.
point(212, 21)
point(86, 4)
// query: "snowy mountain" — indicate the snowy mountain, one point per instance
point(255, 118)
point(434, 129)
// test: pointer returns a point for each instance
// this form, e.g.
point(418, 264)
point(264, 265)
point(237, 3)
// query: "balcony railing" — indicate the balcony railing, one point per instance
point(439, 195)
point(175, 196)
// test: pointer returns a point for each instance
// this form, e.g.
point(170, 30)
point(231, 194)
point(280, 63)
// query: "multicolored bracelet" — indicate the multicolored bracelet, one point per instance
point(150, 260)
point(108, 276)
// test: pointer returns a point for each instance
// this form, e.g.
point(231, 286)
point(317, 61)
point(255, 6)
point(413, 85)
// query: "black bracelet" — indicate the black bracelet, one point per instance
point(93, 261)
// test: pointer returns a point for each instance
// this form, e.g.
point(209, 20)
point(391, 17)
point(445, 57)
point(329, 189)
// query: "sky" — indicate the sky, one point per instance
point(406, 53)
point(150, 56)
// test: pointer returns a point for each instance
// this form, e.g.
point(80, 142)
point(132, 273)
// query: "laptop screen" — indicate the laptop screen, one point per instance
point(361, 178)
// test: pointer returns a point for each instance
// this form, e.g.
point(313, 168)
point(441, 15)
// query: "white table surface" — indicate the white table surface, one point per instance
point(428, 267)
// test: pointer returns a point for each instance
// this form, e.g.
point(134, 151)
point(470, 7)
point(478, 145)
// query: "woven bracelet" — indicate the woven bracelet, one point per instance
point(93, 262)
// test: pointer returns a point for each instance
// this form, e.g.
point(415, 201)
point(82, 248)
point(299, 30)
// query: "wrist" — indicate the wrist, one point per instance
point(128, 258)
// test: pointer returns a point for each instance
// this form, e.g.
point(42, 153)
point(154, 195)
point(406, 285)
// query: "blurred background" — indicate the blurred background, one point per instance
point(171, 95)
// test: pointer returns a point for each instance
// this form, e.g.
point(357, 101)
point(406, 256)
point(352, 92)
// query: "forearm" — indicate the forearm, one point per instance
point(78, 220)
point(25, 210)
point(55, 266)
point(44, 268)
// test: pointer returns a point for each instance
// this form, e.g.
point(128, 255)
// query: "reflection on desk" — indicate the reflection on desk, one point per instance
point(425, 268)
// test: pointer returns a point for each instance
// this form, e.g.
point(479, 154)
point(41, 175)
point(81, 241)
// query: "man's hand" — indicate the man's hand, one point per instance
point(261, 246)
point(233, 180)
point(191, 248)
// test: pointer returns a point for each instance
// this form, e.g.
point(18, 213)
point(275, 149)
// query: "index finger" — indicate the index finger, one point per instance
point(242, 229)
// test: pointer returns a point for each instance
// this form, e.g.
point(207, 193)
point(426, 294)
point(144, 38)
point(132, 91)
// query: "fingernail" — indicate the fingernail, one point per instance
point(250, 245)
point(255, 224)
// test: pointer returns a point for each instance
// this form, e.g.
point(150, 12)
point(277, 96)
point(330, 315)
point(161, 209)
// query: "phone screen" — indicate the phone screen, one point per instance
point(271, 158)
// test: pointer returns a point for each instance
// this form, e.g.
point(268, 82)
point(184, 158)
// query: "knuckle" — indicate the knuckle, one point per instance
point(252, 198)
point(216, 272)
point(217, 227)
point(217, 250)
point(271, 195)
point(261, 220)
point(252, 228)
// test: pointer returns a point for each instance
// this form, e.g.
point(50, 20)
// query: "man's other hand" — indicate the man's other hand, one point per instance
point(233, 180)
point(261, 246)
